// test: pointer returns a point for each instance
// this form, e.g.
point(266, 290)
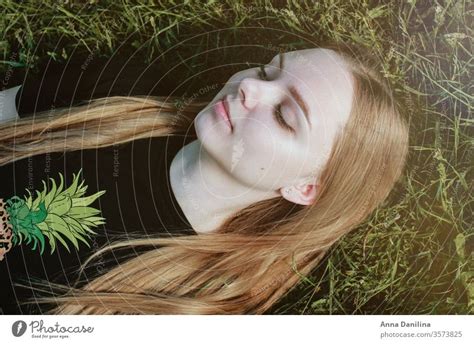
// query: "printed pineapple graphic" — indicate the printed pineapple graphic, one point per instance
point(58, 216)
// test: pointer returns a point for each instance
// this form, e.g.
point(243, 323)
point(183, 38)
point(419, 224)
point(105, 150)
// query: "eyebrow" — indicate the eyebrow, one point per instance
point(297, 96)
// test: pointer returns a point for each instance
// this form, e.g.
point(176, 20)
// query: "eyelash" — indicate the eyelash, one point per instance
point(277, 111)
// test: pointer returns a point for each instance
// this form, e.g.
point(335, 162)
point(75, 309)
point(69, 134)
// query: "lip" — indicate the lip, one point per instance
point(226, 105)
point(222, 110)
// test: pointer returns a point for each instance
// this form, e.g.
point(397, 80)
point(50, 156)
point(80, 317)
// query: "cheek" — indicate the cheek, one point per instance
point(258, 154)
point(264, 159)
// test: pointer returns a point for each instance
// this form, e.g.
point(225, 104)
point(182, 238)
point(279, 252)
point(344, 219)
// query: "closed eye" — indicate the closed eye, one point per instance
point(262, 74)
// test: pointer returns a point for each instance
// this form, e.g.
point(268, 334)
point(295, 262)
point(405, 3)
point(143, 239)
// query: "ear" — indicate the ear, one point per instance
point(304, 194)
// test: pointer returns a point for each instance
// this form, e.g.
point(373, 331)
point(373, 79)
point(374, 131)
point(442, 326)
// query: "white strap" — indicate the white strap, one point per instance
point(8, 109)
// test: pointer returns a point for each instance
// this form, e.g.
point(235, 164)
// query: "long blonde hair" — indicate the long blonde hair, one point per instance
point(258, 254)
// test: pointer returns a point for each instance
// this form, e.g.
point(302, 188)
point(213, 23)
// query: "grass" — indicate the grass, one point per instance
point(414, 255)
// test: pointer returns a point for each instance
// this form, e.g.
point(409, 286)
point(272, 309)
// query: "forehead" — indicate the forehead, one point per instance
point(315, 65)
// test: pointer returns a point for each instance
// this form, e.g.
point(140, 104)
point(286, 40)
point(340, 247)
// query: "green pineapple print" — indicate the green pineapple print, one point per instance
point(55, 217)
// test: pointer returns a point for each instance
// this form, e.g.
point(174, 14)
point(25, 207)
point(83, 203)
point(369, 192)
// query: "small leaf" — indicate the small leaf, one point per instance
point(86, 227)
point(460, 242)
point(78, 236)
point(71, 190)
point(319, 304)
point(61, 184)
point(82, 212)
point(81, 190)
point(57, 224)
point(61, 205)
point(57, 236)
point(13, 63)
point(37, 234)
point(52, 241)
point(51, 194)
point(74, 224)
point(37, 200)
point(85, 201)
point(96, 220)
point(29, 199)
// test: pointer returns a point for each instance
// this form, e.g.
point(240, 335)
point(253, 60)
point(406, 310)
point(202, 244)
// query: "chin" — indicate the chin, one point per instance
point(208, 130)
point(200, 125)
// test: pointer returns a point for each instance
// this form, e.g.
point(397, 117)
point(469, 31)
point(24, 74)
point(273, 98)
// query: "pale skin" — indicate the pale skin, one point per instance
point(229, 168)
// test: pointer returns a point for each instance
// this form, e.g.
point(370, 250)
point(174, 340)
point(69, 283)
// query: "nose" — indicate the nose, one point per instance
point(253, 91)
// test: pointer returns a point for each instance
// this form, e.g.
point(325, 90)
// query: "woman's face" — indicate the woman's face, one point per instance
point(313, 95)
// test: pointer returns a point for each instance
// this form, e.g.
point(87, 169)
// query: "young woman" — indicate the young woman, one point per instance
point(287, 158)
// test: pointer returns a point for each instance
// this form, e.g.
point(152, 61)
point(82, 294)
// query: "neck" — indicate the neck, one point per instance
point(207, 194)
